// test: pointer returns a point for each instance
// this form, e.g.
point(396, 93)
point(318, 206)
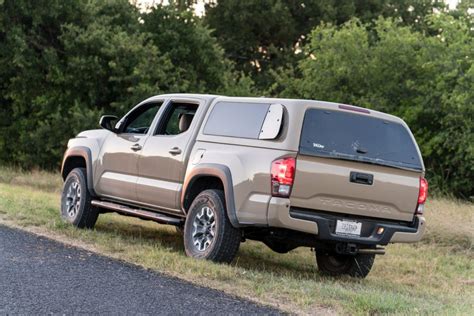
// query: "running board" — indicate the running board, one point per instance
point(148, 215)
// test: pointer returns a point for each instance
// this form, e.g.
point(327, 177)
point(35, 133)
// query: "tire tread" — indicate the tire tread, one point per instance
point(227, 243)
point(89, 214)
point(357, 266)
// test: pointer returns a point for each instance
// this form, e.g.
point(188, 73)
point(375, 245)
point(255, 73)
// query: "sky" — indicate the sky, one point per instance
point(452, 3)
point(199, 6)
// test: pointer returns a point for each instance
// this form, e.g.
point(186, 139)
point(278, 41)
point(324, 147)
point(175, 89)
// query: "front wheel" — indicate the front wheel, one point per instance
point(333, 264)
point(76, 205)
point(208, 233)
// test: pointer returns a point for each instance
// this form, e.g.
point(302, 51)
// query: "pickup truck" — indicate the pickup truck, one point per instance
point(343, 180)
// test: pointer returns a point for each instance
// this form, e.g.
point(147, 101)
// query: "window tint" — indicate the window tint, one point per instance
point(139, 121)
point(350, 136)
point(178, 119)
point(236, 119)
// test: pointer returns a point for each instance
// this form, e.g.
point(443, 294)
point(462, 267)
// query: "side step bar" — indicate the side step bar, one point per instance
point(147, 215)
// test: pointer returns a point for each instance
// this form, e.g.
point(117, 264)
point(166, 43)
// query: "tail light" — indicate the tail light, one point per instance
point(422, 195)
point(283, 175)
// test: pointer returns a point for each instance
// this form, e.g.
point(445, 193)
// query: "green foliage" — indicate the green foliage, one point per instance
point(64, 63)
point(427, 80)
point(194, 52)
point(200, 59)
point(263, 35)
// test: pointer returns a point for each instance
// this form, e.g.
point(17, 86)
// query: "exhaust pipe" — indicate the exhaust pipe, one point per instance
point(376, 251)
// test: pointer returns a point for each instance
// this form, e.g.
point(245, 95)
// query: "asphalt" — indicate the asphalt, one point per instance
point(41, 276)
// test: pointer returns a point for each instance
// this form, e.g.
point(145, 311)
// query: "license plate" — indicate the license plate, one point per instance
point(348, 228)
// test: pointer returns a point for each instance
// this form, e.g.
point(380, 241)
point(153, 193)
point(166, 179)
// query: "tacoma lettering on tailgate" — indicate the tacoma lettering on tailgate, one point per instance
point(381, 209)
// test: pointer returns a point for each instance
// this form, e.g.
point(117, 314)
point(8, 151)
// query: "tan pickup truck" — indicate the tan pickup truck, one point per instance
point(341, 179)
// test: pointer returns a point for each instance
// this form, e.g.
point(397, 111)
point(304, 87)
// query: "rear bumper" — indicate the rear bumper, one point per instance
point(323, 224)
point(403, 237)
point(369, 235)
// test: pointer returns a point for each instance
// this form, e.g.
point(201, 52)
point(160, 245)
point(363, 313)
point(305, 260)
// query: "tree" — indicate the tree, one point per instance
point(197, 58)
point(264, 35)
point(427, 80)
point(65, 63)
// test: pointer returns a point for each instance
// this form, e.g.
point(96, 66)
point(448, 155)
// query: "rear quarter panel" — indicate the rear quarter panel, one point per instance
point(250, 172)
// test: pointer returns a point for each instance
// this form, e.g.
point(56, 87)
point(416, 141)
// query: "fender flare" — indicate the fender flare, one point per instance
point(223, 173)
point(84, 152)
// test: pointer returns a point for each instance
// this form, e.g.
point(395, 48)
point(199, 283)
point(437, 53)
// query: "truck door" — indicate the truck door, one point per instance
point(117, 168)
point(163, 160)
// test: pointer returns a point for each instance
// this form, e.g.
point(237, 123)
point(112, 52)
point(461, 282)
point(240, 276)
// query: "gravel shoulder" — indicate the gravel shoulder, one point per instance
point(40, 276)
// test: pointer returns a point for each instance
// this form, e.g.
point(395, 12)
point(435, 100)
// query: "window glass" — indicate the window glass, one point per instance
point(350, 136)
point(139, 121)
point(236, 119)
point(178, 119)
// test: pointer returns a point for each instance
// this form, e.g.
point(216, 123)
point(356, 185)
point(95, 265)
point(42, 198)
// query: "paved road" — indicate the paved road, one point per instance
point(41, 276)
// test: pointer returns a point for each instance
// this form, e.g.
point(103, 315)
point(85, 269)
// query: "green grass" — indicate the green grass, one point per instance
point(435, 276)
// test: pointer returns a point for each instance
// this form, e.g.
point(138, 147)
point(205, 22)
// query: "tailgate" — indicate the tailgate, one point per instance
point(325, 184)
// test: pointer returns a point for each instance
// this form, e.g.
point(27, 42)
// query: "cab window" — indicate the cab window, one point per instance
point(139, 121)
point(178, 118)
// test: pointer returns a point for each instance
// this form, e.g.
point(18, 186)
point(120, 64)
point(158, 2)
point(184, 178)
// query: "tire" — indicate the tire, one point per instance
point(357, 266)
point(76, 207)
point(208, 233)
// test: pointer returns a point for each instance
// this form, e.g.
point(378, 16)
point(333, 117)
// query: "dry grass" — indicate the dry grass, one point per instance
point(451, 224)
point(36, 179)
point(432, 277)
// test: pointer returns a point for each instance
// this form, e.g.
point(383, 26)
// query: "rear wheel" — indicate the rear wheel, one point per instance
point(76, 205)
point(208, 233)
point(333, 264)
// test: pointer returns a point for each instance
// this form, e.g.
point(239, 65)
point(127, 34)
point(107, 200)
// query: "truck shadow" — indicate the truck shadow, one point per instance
point(265, 260)
point(135, 232)
point(252, 256)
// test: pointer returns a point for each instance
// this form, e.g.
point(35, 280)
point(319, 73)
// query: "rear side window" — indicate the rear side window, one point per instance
point(337, 134)
point(235, 119)
point(177, 119)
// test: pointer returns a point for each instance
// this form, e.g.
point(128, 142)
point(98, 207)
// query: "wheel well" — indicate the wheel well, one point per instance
point(198, 185)
point(71, 163)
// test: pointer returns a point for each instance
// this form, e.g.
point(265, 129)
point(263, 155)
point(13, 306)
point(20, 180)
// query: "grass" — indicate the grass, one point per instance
point(435, 276)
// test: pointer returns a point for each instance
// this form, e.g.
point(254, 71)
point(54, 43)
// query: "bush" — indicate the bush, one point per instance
point(425, 79)
point(64, 63)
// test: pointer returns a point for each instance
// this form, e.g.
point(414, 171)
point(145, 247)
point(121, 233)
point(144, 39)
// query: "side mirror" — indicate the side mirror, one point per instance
point(106, 122)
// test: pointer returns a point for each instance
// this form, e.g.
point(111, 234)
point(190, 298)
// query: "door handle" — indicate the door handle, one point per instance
point(136, 147)
point(175, 151)
point(362, 178)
